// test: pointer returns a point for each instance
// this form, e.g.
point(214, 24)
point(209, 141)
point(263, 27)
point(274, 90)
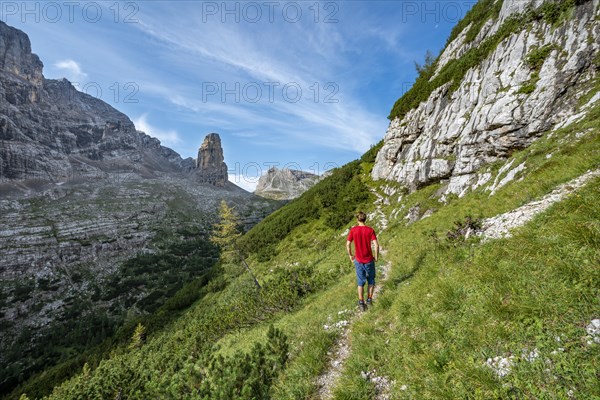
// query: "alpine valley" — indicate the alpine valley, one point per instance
point(91, 212)
point(484, 194)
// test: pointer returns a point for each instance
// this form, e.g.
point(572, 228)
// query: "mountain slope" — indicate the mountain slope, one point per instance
point(457, 317)
point(90, 211)
point(51, 131)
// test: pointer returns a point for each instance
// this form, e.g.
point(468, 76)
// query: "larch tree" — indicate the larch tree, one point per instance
point(225, 235)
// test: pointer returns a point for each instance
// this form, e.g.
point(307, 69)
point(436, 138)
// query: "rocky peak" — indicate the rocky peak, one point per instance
point(284, 184)
point(51, 132)
point(210, 165)
point(16, 56)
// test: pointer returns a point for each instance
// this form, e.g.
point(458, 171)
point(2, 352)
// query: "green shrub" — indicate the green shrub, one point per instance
point(538, 55)
point(245, 376)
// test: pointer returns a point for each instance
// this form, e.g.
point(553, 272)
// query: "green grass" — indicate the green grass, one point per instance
point(465, 303)
point(506, 297)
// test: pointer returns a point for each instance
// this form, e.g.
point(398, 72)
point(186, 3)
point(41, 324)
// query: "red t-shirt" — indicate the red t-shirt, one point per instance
point(362, 237)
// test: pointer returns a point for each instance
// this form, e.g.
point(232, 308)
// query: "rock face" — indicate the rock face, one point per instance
point(50, 131)
point(284, 184)
point(493, 113)
point(210, 165)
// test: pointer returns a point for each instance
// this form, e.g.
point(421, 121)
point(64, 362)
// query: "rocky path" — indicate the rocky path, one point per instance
point(328, 380)
point(500, 225)
point(342, 349)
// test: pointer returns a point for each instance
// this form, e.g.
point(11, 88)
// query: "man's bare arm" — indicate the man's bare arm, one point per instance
point(376, 250)
point(349, 250)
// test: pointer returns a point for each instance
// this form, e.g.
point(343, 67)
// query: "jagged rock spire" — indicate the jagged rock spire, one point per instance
point(210, 166)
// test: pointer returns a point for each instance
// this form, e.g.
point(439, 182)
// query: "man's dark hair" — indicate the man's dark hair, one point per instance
point(361, 216)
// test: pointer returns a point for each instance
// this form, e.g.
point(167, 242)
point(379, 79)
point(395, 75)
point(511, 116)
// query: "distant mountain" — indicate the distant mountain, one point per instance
point(284, 184)
point(50, 131)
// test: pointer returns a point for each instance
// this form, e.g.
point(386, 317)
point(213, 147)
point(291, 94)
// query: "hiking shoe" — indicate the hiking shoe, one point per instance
point(369, 302)
point(362, 306)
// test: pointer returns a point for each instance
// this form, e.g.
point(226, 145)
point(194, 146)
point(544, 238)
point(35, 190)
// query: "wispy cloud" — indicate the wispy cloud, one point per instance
point(307, 56)
point(173, 50)
point(72, 69)
point(168, 138)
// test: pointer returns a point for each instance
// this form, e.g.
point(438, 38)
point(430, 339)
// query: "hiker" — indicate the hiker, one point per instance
point(364, 258)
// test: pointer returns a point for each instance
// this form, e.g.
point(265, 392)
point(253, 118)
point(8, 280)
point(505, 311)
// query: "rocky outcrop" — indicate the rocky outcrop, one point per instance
point(49, 131)
point(284, 184)
point(210, 165)
point(16, 57)
point(501, 105)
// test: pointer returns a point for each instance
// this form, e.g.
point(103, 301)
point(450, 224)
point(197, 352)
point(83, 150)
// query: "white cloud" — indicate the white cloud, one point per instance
point(168, 138)
point(245, 182)
point(72, 69)
point(234, 58)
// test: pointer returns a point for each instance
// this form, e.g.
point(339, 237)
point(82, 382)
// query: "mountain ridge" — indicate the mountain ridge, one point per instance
point(90, 137)
point(88, 208)
point(284, 184)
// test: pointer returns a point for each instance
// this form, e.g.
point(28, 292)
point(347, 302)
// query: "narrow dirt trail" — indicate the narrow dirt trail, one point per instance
point(342, 349)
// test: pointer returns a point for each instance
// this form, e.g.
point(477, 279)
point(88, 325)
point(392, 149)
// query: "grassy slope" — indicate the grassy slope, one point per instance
point(471, 302)
point(446, 309)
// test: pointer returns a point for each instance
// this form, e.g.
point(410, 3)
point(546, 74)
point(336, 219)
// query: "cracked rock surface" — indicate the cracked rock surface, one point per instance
point(452, 135)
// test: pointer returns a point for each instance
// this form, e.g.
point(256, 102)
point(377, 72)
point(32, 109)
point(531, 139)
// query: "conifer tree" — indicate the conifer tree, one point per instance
point(225, 235)
point(138, 337)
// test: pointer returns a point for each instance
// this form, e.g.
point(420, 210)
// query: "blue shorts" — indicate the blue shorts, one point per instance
point(365, 273)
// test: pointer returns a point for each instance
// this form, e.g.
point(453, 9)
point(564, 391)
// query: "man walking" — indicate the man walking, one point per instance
point(364, 257)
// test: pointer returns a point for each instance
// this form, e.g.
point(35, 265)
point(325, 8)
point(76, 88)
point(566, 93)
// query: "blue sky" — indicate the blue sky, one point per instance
point(305, 84)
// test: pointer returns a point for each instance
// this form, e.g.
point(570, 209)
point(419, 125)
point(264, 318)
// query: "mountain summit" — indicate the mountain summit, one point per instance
point(49, 131)
point(284, 184)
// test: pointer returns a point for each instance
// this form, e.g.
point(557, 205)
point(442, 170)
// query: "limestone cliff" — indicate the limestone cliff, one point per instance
point(284, 184)
point(542, 58)
point(49, 131)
